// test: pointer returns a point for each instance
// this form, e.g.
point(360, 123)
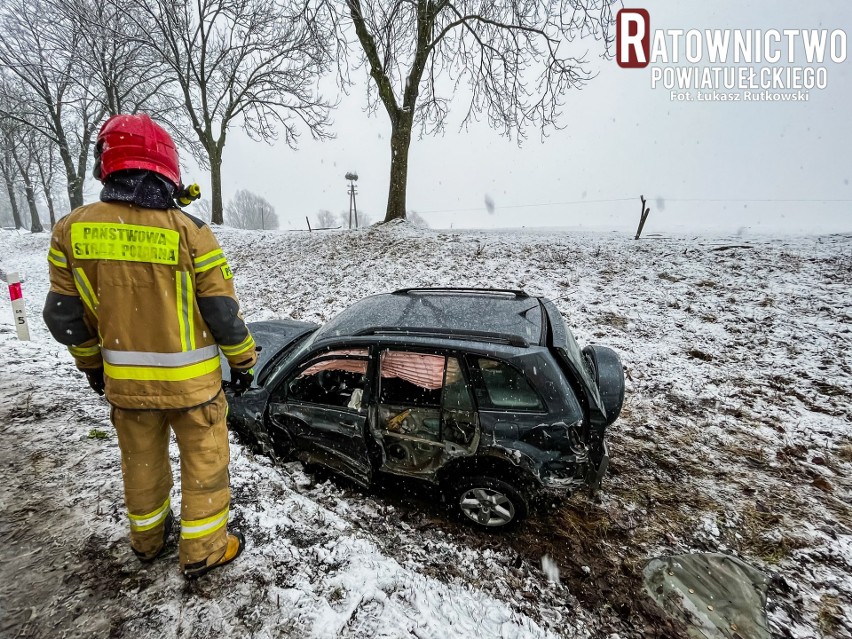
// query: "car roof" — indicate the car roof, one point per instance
point(484, 315)
point(418, 342)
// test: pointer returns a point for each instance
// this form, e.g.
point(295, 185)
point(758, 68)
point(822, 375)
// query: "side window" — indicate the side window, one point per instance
point(410, 393)
point(459, 416)
point(506, 387)
point(337, 379)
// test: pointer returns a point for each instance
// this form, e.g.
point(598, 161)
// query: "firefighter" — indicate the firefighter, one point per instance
point(143, 297)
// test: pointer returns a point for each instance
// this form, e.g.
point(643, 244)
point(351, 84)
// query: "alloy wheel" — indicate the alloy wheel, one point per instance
point(487, 507)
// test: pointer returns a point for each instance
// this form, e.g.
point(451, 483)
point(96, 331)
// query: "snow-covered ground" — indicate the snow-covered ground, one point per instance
point(736, 436)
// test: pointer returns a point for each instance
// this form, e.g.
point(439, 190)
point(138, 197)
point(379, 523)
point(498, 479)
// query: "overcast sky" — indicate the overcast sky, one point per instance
point(621, 139)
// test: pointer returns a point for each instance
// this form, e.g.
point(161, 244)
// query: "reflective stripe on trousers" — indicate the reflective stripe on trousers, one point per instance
point(140, 523)
point(193, 529)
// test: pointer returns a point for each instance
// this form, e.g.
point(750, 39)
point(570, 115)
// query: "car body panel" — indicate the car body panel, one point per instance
point(332, 436)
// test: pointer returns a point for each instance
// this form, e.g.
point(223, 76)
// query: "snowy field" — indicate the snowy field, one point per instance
point(736, 437)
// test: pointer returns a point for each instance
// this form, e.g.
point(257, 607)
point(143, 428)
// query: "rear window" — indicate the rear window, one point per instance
point(506, 387)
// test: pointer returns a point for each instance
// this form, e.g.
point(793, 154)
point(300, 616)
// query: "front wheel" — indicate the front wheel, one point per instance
point(488, 503)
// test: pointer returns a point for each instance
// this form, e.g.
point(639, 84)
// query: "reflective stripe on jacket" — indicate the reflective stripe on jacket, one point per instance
point(148, 295)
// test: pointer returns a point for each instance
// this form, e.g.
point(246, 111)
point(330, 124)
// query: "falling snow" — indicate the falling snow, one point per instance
point(735, 437)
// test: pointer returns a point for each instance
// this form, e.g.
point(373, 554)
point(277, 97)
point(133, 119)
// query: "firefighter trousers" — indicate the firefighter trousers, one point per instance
point(202, 438)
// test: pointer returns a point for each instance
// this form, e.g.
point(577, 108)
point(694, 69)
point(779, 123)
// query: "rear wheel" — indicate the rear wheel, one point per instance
point(489, 503)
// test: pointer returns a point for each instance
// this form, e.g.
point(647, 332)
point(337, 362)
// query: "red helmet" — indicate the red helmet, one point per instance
point(135, 142)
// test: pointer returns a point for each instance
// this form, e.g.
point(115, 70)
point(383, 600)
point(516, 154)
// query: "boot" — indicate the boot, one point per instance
point(168, 526)
point(236, 543)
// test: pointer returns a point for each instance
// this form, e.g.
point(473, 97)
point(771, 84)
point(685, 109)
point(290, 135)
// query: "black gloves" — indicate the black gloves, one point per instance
point(95, 377)
point(241, 379)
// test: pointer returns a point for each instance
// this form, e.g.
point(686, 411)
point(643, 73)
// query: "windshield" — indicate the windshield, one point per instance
point(287, 355)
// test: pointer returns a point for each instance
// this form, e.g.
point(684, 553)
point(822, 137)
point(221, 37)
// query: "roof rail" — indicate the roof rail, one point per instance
point(460, 334)
point(461, 289)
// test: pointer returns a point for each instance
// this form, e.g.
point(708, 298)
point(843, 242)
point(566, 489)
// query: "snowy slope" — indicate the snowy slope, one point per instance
point(735, 436)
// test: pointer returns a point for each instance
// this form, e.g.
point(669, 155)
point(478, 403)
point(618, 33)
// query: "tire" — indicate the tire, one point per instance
point(488, 503)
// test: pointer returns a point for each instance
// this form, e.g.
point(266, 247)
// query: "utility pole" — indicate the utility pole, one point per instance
point(352, 176)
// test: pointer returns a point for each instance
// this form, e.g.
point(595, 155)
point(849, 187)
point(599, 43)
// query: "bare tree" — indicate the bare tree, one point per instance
point(9, 171)
point(202, 210)
point(23, 155)
point(415, 218)
point(510, 59)
point(255, 62)
point(326, 220)
point(363, 220)
point(121, 72)
point(9, 129)
point(44, 155)
point(250, 211)
point(40, 54)
point(6, 217)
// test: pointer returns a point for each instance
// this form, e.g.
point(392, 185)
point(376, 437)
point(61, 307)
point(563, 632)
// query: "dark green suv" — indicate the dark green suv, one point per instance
point(482, 392)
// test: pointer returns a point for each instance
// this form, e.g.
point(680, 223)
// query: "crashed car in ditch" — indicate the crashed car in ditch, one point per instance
point(481, 392)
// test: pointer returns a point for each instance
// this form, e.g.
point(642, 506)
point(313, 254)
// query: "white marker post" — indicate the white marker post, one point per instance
point(19, 310)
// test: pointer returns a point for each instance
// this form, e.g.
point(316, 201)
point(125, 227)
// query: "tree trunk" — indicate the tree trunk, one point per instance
point(10, 190)
point(35, 222)
point(50, 208)
point(216, 188)
point(400, 143)
point(83, 160)
point(74, 182)
point(45, 185)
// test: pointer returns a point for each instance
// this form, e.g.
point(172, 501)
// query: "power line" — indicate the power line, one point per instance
point(630, 199)
point(811, 201)
point(525, 206)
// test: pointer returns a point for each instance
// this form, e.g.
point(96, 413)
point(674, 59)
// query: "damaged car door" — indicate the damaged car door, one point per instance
point(322, 407)
point(425, 412)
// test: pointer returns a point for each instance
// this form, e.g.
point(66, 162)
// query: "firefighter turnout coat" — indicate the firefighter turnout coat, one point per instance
point(148, 295)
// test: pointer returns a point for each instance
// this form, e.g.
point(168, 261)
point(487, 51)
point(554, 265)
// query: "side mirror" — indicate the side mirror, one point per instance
point(608, 373)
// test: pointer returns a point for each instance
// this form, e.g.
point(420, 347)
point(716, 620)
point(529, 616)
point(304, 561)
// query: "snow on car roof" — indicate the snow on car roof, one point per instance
point(505, 313)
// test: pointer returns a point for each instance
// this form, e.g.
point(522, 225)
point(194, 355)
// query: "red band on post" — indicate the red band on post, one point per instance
point(15, 291)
